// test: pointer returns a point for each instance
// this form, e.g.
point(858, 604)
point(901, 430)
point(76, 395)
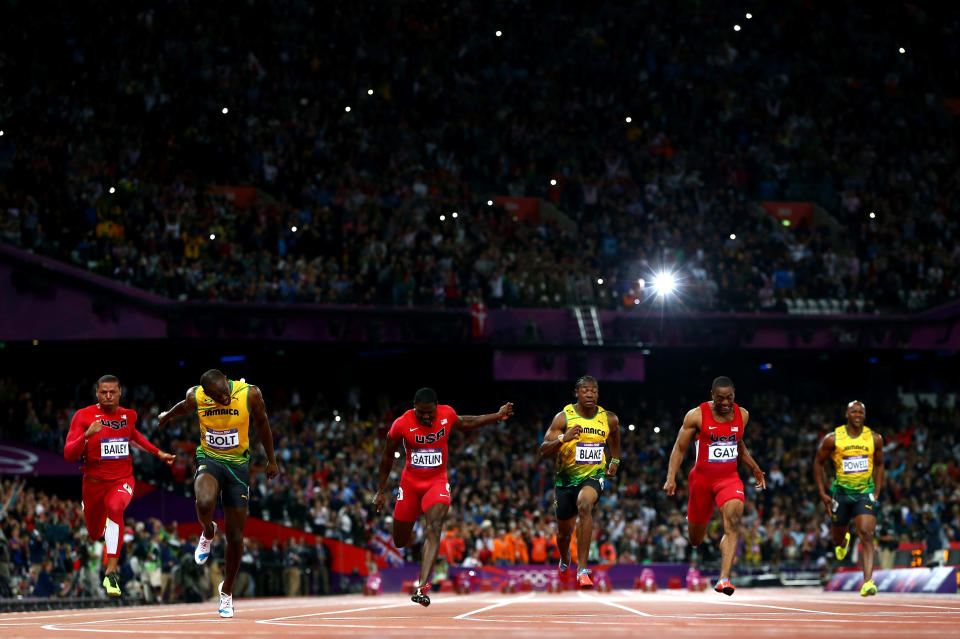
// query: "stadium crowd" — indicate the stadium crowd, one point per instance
point(653, 130)
point(502, 509)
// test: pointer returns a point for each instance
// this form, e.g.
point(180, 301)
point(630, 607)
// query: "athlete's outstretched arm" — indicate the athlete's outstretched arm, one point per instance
point(554, 437)
point(879, 474)
point(613, 439)
point(827, 446)
point(688, 430)
point(183, 408)
point(470, 422)
point(744, 453)
point(258, 410)
point(390, 446)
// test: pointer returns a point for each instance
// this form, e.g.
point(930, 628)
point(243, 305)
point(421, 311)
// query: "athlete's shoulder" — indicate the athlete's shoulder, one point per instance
point(569, 411)
point(129, 413)
point(445, 410)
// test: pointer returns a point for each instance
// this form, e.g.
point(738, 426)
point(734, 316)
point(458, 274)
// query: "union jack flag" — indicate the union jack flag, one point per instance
point(382, 543)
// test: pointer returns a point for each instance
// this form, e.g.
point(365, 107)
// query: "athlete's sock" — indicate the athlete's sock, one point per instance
point(112, 536)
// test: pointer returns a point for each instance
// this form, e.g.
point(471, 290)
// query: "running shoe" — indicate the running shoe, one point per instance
point(841, 551)
point(868, 589)
point(421, 597)
point(226, 603)
point(563, 571)
point(202, 552)
point(583, 579)
point(724, 586)
point(113, 586)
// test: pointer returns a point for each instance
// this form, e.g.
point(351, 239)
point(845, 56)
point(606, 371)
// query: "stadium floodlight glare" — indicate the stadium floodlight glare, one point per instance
point(369, 91)
point(656, 429)
point(347, 109)
point(443, 218)
point(873, 215)
point(213, 236)
point(293, 229)
point(499, 33)
point(112, 190)
point(902, 50)
point(1, 133)
point(224, 110)
point(454, 215)
point(600, 281)
point(631, 427)
point(749, 16)
point(489, 202)
point(736, 27)
point(628, 119)
point(664, 283)
point(733, 236)
point(553, 182)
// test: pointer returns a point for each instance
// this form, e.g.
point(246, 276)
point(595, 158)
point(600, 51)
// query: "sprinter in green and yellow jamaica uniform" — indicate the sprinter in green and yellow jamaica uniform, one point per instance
point(225, 408)
point(857, 454)
point(576, 437)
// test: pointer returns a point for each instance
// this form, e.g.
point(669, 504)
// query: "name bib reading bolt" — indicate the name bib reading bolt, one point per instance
point(723, 452)
point(426, 458)
point(858, 464)
point(589, 452)
point(114, 448)
point(223, 439)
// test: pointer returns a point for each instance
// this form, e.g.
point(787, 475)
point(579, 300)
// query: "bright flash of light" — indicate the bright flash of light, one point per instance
point(733, 236)
point(347, 109)
point(369, 91)
point(656, 429)
point(213, 236)
point(600, 281)
point(489, 202)
point(396, 454)
point(112, 190)
point(631, 427)
point(902, 50)
point(553, 182)
point(628, 119)
point(293, 229)
point(873, 215)
point(337, 418)
point(664, 283)
point(736, 27)
point(499, 33)
point(749, 16)
point(454, 215)
point(443, 218)
point(224, 110)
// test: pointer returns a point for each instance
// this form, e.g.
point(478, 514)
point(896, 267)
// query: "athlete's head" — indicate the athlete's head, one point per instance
point(721, 391)
point(586, 391)
point(108, 392)
point(425, 406)
point(856, 413)
point(215, 385)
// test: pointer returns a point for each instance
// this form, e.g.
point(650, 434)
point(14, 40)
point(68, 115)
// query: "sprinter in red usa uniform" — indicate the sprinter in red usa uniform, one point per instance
point(102, 435)
point(718, 427)
point(424, 431)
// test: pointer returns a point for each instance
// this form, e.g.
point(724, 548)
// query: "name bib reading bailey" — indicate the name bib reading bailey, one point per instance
point(114, 448)
point(589, 452)
point(223, 439)
point(858, 464)
point(426, 458)
point(723, 452)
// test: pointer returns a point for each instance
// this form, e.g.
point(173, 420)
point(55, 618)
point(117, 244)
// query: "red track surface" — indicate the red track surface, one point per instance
point(748, 613)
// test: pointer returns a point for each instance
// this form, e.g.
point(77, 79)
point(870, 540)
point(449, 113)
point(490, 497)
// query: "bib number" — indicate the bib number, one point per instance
point(589, 453)
point(721, 452)
point(426, 458)
point(857, 464)
point(223, 439)
point(114, 448)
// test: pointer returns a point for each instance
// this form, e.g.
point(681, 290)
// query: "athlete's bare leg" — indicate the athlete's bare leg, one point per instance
point(585, 501)
point(401, 532)
point(235, 519)
point(866, 526)
point(564, 535)
point(696, 532)
point(435, 516)
point(206, 488)
point(731, 510)
point(839, 535)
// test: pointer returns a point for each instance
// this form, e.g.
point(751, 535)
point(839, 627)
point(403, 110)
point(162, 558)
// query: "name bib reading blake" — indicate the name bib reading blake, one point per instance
point(857, 464)
point(589, 452)
point(223, 439)
point(114, 448)
point(723, 452)
point(426, 458)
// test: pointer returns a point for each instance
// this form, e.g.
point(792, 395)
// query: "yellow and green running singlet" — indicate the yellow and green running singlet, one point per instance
point(583, 458)
point(853, 461)
point(225, 430)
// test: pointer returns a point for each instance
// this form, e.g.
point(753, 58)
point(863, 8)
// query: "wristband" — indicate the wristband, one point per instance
point(615, 461)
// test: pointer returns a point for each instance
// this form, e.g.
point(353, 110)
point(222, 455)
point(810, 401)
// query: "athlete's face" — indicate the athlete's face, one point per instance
point(425, 413)
point(723, 399)
point(219, 392)
point(856, 414)
point(587, 394)
point(108, 395)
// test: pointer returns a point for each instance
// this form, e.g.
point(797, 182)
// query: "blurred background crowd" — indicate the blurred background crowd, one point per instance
point(652, 130)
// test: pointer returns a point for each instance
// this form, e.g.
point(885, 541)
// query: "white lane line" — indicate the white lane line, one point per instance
point(496, 605)
point(753, 605)
point(597, 599)
point(278, 620)
point(890, 604)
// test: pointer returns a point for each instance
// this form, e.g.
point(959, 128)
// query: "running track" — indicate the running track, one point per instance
point(782, 613)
